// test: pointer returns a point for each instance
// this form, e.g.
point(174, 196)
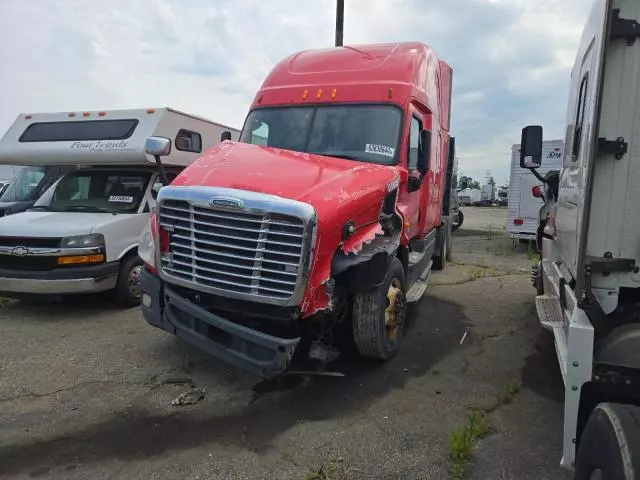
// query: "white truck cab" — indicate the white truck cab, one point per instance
point(81, 236)
point(588, 278)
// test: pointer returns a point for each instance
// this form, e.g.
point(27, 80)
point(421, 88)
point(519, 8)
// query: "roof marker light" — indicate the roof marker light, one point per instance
point(27, 117)
point(319, 94)
point(151, 110)
point(72, 114)
point(333, 94)
point(86, 114)
point(305, 94)
point(102, 114)
point(390, 93)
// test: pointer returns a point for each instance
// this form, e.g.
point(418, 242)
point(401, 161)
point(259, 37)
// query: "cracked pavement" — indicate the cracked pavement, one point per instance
point(86, 390)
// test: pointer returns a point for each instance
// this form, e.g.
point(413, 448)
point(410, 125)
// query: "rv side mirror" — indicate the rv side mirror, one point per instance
point(157, 146)
point(531, 147)
point(226, 135)
point(537, 191)
point(425, 152)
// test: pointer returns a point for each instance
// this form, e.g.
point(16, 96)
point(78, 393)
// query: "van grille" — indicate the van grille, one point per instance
point(236, 251)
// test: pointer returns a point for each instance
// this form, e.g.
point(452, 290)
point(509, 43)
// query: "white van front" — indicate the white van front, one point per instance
point(80, 237)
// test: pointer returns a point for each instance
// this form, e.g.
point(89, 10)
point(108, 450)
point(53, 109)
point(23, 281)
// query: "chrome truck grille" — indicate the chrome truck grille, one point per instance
point(236, 243)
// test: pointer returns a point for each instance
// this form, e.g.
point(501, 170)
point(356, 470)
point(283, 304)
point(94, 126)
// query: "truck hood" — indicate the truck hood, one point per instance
point(315, 179)
point(55, 224)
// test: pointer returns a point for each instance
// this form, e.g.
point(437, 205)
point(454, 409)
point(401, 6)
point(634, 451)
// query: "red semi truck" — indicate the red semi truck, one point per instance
point(320, 225)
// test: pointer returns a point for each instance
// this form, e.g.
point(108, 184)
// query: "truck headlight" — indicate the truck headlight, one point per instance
point(80, 241)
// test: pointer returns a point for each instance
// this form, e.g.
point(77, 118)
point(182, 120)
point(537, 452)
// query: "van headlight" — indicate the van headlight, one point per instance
point(81, 241)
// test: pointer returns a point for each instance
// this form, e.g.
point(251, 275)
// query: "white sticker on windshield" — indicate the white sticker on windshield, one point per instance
point(379, 149)
point(121, 199)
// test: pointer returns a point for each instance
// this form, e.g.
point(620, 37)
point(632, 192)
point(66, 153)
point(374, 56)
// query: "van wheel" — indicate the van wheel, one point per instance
point(127, 291)
point(609, 448)
point(379, 315)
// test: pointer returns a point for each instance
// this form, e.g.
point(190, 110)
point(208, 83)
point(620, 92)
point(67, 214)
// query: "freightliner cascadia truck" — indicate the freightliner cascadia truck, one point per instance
point(312, 233)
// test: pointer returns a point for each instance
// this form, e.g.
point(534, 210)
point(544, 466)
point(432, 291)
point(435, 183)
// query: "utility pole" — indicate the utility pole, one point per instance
point(339, 21)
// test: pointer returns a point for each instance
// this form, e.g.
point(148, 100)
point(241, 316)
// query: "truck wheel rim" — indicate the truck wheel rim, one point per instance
point(134, 281)
point(395, 311)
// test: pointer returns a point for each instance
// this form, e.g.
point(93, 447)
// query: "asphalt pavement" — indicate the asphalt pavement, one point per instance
point(86, 390)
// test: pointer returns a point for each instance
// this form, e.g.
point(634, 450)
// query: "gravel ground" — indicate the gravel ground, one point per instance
point(86, 390)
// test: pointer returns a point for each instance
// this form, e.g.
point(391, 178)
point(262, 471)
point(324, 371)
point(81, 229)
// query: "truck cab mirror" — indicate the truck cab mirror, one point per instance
point(425, 151)
point(537, 191)
point(226, 135)
point(157, 146)
point(531, 147)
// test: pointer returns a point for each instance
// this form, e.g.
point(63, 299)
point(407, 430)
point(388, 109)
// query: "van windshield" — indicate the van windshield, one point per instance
point(25, 185)
point(107, 191)
point(368, 133)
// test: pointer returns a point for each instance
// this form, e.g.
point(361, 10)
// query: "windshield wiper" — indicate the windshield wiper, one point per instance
point(40, 207)
point(87, 208)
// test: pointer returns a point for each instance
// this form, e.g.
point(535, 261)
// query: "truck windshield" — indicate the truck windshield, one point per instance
point(369, 133)
point(25, 185)
point(108, 191)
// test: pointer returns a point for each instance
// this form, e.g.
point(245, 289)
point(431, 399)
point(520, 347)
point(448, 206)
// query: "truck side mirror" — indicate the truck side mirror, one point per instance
point(531, 147)
point(226, 135)
point(425, 153)
point(157, 146)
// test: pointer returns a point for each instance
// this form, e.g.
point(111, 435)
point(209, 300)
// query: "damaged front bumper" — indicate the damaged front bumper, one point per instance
point(248, 349)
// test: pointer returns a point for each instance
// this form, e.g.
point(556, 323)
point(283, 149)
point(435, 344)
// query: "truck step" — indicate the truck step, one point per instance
point(549, 311)
point(415, 258)
point(552, 318)
point(416, 291)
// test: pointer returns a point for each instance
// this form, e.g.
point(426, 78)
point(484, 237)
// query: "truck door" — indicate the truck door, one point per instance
point(414, 200)
point(581, 122)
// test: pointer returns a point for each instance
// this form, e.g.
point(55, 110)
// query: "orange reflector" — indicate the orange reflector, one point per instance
point(319, 94)
point(97, 258)
point(86, 114)
point(390, 93)
point(101, 114)
point(333, 93)
point(305, 94)
point(151, 110)
point(27, 117)
point(71, 114)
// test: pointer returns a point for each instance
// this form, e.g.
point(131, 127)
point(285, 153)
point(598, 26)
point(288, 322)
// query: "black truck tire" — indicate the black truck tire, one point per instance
point(440, 259)
point(127, 291)
point(609, 447)
point(378, 326)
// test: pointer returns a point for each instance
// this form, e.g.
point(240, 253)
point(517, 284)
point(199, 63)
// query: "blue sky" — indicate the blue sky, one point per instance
point(511, 58)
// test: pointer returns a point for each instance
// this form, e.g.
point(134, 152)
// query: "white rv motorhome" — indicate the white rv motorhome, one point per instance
point(522, 217)
point(588, 280)
point(82, 234)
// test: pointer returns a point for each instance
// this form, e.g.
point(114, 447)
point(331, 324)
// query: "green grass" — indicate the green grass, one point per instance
point(463, 441)
point(531, 254)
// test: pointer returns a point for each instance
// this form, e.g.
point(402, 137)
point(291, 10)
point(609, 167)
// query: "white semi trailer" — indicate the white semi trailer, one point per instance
point(588, 279)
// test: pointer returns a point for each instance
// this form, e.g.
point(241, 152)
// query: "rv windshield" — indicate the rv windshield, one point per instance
point(369, 133)
point(25, 185)
point(107, 191)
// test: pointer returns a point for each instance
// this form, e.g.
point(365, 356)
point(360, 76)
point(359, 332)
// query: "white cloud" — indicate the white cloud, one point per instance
point(511, 58)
